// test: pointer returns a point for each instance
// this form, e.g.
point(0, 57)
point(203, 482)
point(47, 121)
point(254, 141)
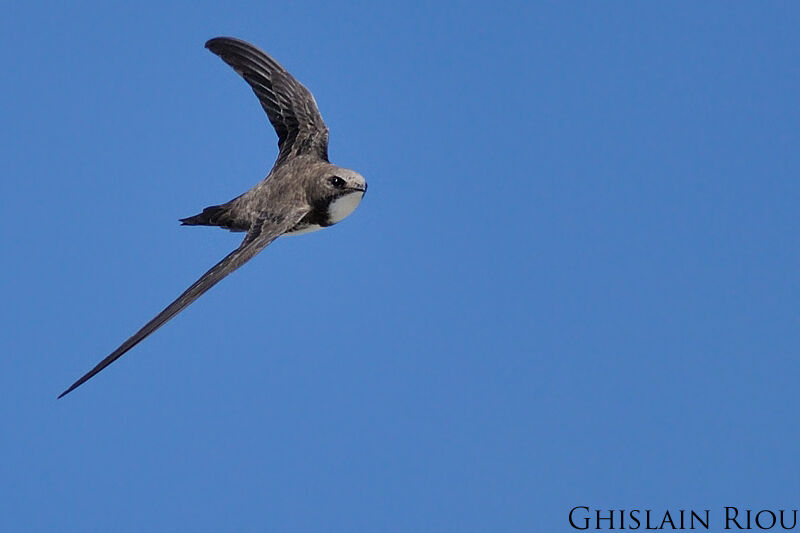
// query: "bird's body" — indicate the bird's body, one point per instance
point(303, 192)
point(282, 183)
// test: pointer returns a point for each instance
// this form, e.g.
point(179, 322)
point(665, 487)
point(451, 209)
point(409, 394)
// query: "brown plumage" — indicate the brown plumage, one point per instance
point(303, 191)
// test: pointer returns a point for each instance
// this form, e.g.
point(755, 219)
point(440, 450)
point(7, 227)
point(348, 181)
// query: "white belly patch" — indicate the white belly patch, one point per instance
point(306, 229)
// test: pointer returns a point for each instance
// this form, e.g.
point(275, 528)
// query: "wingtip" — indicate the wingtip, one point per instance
point(73, 387)
point(215, 43)
point(77, 384)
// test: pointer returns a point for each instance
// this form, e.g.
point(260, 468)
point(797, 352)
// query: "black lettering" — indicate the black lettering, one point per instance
point(647, 520)
point(667, 518)
point(704, 523)
point(598, 518)
point(794, 519)
point(634, 515)
point(585, 519)
point(758, 519)
point(729, 518)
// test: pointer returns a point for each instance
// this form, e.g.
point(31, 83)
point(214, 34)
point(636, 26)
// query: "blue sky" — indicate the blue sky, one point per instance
point(573, 281)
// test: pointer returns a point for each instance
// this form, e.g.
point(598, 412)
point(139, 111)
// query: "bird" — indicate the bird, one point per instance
point(303, 192)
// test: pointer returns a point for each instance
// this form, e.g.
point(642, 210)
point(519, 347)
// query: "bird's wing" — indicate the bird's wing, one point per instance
point(255, 241)
point(289, 105)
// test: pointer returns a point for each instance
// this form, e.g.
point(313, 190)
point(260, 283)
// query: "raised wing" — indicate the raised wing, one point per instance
point(289, 105)
point(256, 240)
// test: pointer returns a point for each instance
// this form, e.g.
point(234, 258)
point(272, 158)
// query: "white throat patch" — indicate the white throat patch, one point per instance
point(340, 208)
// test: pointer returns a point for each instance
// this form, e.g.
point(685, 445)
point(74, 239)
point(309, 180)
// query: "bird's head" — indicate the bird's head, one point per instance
point(337, 189)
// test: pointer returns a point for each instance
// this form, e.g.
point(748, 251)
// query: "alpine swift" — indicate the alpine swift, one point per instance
point(303, 192)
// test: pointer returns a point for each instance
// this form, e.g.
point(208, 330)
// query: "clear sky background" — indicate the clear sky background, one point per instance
point(573, 281)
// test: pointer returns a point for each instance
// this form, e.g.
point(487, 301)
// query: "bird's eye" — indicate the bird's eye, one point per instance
point(337, 182)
